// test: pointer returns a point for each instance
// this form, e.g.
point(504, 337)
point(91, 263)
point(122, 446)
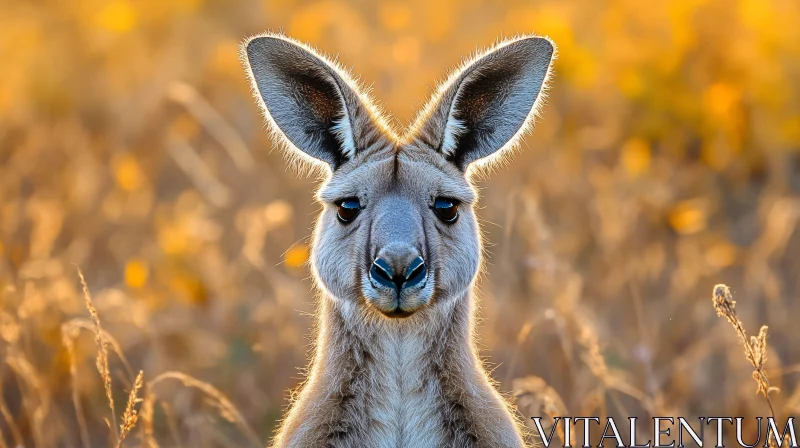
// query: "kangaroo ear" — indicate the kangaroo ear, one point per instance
point(305, 98)
point(489, 103)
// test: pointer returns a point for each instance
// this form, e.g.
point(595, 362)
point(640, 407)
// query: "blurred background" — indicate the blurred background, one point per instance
point(667, 160)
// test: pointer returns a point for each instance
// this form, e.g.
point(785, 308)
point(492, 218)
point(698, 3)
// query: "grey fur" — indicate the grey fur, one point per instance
point(489, 102)
point(310, 101)
point(378, 381)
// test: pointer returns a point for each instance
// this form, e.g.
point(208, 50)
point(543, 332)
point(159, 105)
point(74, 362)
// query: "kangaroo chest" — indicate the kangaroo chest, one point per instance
point(403, 398)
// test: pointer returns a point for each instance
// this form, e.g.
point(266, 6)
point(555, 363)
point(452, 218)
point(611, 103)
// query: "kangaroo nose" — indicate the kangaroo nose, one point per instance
point(394, 272)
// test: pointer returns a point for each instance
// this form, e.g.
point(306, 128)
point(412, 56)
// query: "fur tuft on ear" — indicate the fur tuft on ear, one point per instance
point(488, 103)
point(309, 102)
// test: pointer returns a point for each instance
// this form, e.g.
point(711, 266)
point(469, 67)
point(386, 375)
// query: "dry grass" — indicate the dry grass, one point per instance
point(102, 355)
point(131, 415)
point(666, 162)
point(755, 348)
point(224, 407)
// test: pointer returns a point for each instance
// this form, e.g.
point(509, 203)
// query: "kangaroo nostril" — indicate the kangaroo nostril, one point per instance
point(383, 268)
point(415, 265)
point(416, 272)
point(381, 272)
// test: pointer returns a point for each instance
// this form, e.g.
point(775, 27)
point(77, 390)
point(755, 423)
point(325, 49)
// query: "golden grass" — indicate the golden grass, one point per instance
point(225, 408)
point(131, 415)
point(102, 355)
point(665, 162)
point(755, 348)
point(68, 335)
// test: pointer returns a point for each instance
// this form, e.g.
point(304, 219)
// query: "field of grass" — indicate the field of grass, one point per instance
point(667, 161)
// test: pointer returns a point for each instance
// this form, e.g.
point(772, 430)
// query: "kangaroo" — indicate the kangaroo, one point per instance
point(397, 247)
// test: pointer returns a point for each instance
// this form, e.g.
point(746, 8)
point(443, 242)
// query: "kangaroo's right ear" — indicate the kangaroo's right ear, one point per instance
point(305, 99)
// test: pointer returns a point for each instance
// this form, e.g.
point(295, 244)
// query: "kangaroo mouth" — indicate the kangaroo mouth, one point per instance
point(397, 313)
point(396, 305)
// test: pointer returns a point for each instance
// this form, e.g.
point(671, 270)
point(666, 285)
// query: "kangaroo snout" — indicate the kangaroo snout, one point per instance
point(400, 276)
point(399, 270)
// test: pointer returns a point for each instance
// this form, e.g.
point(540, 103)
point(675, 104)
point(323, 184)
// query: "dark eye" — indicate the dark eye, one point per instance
point(446, 209)
point(347, 209)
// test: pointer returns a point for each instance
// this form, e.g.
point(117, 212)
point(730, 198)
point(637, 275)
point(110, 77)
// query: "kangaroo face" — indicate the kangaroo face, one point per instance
point(397, 232)
point(409, 239)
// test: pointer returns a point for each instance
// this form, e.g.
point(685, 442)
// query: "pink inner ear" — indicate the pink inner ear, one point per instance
point(320, 103)
point(487, 103)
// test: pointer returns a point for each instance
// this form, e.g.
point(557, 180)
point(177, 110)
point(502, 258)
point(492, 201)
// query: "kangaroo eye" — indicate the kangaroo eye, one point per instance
point(347, 209)
point(446, 209)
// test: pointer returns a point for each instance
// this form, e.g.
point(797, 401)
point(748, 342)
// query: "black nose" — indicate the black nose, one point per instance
point(401, 276)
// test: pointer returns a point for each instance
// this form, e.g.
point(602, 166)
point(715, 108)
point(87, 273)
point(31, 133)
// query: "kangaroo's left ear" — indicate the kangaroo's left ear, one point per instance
point(489, 103)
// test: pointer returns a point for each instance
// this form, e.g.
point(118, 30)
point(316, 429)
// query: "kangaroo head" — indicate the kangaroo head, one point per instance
point(398, 232)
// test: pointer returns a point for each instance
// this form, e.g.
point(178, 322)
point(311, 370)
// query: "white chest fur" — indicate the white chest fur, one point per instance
point(403, 398)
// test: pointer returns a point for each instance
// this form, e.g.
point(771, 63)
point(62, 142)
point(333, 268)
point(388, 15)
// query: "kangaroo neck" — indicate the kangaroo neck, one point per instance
point(404, 376)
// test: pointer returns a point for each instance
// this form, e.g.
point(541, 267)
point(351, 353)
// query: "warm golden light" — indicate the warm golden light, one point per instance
point(665, 160)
